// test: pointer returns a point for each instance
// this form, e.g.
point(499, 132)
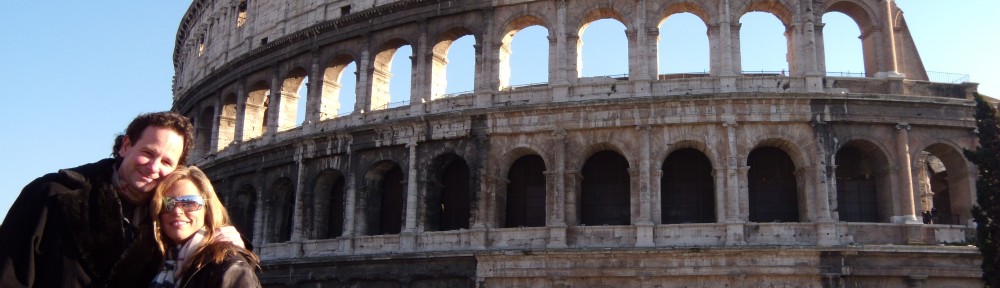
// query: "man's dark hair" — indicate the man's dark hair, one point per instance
point(170, 120)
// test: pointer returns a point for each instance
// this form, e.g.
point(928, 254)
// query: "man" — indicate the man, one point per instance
point(88, 226)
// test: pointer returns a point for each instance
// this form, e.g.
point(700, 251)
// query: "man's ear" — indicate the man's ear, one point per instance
point(126, 144)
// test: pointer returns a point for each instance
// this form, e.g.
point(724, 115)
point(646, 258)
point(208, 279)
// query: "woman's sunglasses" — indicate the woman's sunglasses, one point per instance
point(188, 203)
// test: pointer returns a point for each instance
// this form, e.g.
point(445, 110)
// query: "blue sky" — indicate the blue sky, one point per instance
point(75, 72)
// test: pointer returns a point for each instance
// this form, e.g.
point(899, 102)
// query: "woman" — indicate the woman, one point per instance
point(186, 213)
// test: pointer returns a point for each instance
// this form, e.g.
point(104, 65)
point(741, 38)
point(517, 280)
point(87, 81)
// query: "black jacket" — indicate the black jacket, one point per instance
point(237, 270)
point(65, 230)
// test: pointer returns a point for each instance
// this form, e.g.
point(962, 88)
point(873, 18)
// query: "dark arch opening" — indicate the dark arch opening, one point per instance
point(329, 212)
point(687, 188)
point(241, 211)
point(385, 200)
point(283, 211)
point(857, 192)
point(526, 193)
point(605, 190)
point(773, 189)
point(448, 201)
point(204, 131)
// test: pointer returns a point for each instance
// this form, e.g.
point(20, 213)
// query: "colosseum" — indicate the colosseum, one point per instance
point(716, 179)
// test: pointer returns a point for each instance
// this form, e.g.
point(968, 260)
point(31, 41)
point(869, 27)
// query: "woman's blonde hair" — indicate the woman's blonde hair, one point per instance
point(215, 214)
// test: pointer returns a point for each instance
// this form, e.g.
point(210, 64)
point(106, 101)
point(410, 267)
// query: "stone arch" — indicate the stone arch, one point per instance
point(603, 11)
point(332, 100)
point(605, 191)
point(788, 146)
point(439, 59)
point(382, 73)
point(384, 199)
point(865, 18)
point(610, 145)
point(280, 210)
point(290, 97)
point(511, 27)
point(242, 210)
point(256, 111)
point(698, 145)
point(862, 14)
point(523, 198)
point(687, 188)
point(945, 183)
point(684, 6)
point(863, 182)
point(227, 120)
point(203, 132)
point(328, 204)
point(778, 8)
point(450, 194)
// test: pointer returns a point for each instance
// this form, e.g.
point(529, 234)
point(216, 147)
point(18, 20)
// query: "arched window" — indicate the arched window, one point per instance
point(227, 121)
point(526, 193)
point(448, 199)
point(339, 91)
point(603, 49)
point(241, 210)
point(763, 46)
point(683, 47)
point(454, 64)
point(255, 118)
point(687, 188)
point(857, 193)
point(294, 93)
point(530, 64)
point(772, 185)
point(391, 78)
point(204, 131)
point(329, 205)
point(840, 39)
point(385, 199)
point(282, 214)
point(605, 190)
point(945, 180)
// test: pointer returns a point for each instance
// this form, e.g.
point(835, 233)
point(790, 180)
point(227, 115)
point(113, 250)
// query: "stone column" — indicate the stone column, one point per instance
point(408, 235)
point(560, 69)
point(723, 202)
point(273, 108)
point(299, 231)
point(556, 221)
point(733, 192)
point(241, 112)
point(411, 189)
point(422, 85)
point(486, 79)
point(314, 94)
point(350, 204)
point(644, 225)
point(213, 145)
point(558, 215)
point(363, 91)
point(891, 68)
point(907, 211)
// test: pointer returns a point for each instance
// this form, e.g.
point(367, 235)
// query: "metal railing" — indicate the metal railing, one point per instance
point(946, 77)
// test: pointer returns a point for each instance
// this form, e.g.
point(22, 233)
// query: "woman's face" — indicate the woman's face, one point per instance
point(179, 219)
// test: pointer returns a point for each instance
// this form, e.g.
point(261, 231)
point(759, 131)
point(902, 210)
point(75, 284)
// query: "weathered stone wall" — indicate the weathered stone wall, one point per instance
point(280, 179)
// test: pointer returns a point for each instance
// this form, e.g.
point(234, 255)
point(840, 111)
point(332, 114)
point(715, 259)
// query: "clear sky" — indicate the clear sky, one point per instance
point(74, 73)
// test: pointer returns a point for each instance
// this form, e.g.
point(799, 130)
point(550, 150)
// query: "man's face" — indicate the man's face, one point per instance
point(145, 160)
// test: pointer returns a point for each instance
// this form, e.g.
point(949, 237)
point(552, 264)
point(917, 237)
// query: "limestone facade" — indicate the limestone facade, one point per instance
point(726, 179)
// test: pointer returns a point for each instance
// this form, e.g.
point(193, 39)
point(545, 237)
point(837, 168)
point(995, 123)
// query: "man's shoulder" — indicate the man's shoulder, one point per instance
point(69, 182)
point(77, 177)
